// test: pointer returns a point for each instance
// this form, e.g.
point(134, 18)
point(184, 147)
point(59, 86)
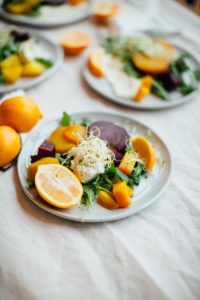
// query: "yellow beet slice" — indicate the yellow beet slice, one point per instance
point(127, 163)
point(11, 75)
point(33, 69)
point(147, 81)
point(145, 151)
point(11, 68)
point(106, 200)
point(74, 133)
point(142, 93)
point(151, 65)
point(58, 139)
point(121, 194)
point(32, 169)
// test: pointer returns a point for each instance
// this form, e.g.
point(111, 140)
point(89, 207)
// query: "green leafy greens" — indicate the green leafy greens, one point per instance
point(66, 119)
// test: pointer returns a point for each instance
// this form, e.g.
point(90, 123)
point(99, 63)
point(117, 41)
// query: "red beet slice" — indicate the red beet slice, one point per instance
point(46, 149)
point(115, 135)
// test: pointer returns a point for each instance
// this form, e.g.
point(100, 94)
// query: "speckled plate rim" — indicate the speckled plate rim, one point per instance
point(26, 21)
point(58, 59)
point(121, 213)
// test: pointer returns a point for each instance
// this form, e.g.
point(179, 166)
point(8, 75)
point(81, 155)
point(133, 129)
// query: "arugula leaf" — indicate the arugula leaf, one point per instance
point(88, 195)
point(86, 121)
point(130, 70)
point(35, 12)
point(139, 170)
point(30, 183)
point(197, 74)
point(160, 91)
point(10, 48)
point(1, 79)
point(66, 119)
point(186, 89)
point(46, 62)
point(63, 159)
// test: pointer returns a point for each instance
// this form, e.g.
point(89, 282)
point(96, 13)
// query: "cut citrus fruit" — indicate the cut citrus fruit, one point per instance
point(58, 186)
point(95, 62)
point(106, 10)
point(145, 151)
point(32, 169)
point(9, 145)
point(75, 42)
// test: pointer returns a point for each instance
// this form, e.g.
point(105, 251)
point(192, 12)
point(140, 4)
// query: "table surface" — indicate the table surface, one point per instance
point(152, 255)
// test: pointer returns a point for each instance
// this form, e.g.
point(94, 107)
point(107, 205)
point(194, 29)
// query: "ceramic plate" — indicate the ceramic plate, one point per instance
point(148, 191)
point(56, 55)
point(151, 102)
point(58, 16)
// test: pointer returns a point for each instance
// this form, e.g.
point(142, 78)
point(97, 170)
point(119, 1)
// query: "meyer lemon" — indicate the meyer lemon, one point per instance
point(95, 62)
point(9, 145)
point(75, 42)
point(58, 186)
point(20, 113)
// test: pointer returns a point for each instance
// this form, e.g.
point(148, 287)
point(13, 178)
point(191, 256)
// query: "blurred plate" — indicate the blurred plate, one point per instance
point(56, 55)
point(146, 193)
point(58, 16)
point(151, 102)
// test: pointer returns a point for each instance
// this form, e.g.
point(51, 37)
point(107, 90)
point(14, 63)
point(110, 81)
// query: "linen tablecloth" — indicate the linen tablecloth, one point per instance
point(152, 255)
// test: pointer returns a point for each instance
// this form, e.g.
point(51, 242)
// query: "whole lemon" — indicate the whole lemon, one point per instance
point(10, 145)
point(20, 113)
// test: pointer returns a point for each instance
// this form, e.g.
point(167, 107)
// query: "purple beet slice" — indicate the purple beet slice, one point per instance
point(46, 149)
point(115, 135)
point(118, 156)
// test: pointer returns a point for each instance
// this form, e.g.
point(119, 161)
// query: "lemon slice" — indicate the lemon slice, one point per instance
point(58, 186)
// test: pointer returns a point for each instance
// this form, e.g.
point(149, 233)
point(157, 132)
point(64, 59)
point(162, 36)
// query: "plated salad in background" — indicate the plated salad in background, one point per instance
point(83, 162)
point(21, 56)
point(136, 66)
point(36, 8)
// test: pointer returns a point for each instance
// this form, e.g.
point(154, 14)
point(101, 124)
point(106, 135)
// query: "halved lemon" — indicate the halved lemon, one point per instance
point(75, 42)
point(95, 62)
point(145, 151)
point(58, 186)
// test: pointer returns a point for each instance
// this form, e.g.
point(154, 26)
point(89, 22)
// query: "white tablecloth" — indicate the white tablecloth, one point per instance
point(152, 255)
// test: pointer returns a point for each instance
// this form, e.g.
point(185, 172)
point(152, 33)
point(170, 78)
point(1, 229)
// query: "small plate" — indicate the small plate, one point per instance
point(55, 54)
point(146, 193)
point(151, 102)
point(72, 15)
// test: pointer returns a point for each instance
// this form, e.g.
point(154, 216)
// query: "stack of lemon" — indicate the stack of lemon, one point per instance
point(17, 114)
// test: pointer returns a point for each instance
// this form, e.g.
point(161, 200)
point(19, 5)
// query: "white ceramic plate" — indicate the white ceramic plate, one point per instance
point(56, 55)
point(151, 102)
point(146, 193)
point(58, 16)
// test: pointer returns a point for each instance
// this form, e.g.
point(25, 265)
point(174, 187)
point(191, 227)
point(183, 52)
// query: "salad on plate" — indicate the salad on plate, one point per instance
point(140, 65)
point(42, 8)
point(21, 56)
point(85, 162)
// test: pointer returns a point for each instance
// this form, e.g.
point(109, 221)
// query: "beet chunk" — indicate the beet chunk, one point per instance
point(20, 36)
point(115, 135)
point(118, 156)
point(169, 80)
point(53, 2)
point(46, 149)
